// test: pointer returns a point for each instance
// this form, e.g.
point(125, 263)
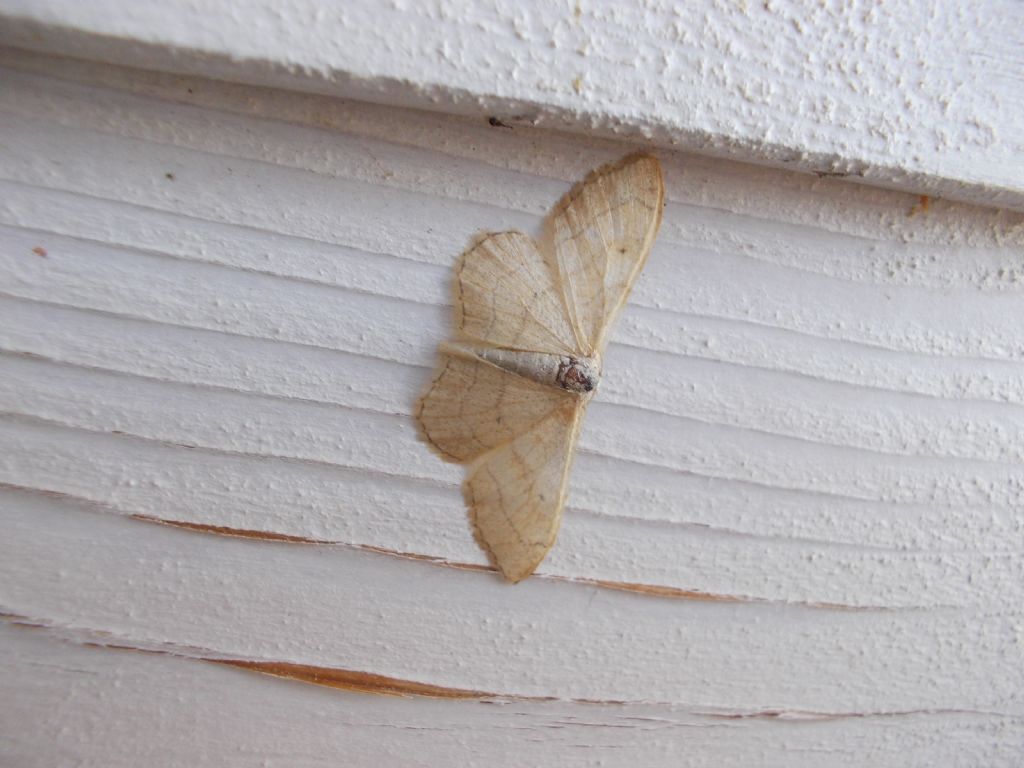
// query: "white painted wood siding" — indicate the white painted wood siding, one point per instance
point(795, 527)
point(919, 96)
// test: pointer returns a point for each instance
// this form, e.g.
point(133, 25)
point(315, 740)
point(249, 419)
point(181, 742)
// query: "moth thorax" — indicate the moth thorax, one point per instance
point(578, 374)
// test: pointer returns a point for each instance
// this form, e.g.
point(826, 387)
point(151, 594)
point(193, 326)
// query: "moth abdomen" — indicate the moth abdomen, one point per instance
point(579, 375)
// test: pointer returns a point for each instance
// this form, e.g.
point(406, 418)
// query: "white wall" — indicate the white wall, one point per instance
point(794, 531)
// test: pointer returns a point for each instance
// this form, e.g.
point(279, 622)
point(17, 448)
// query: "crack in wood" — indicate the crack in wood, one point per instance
point(360, 682)
point(652, 590)
point(383, 685)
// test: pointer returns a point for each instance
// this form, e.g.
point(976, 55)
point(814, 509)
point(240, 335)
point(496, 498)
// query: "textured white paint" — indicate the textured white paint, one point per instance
point(245, 720)
point(919, 96)
point(813, 406)
point(417, 621)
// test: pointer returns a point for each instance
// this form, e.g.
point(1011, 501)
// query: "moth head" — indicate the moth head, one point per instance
point(579, 374)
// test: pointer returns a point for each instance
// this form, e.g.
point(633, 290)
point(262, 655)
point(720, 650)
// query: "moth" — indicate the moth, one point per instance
point(532, 322)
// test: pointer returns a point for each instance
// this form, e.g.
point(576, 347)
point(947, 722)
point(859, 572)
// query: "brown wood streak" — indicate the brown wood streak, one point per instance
point(223, 530)
point(245, 533)
point(646, 589)
point(382, 685)
point(349, 680)
point(330, 677)
point(652, 590)
point(658, 590)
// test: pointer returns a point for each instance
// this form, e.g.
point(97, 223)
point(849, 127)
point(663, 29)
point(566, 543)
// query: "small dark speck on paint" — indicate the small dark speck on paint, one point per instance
point(169, 176)
point(496, 123)
point(39, 251)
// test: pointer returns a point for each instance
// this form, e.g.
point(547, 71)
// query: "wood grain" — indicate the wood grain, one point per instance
point(812, 414)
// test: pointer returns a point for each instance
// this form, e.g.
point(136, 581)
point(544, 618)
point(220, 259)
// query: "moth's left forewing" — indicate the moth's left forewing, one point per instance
point(601, 233)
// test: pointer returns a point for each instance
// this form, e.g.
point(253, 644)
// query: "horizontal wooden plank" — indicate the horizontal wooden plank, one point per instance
point(156, 587)
point(268, 498)
point(920, 97)
point(198, 710)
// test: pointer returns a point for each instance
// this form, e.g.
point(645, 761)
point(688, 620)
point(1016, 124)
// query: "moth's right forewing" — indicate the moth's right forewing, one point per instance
point(508, 296)
point(601, 234)
point(473, 406)
point(516, 493)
